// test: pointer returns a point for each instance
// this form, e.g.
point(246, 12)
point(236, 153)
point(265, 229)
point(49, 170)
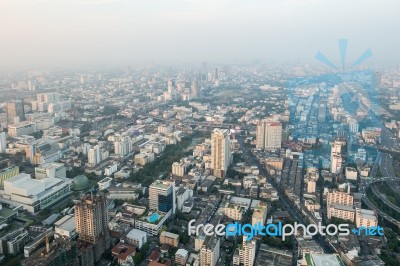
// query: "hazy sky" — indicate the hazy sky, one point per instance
point(120, 32)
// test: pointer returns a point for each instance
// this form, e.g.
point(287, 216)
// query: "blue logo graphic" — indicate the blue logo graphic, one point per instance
point(368, 231)
point(343, 52)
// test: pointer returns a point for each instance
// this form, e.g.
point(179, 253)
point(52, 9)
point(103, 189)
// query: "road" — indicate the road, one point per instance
point(294, 212)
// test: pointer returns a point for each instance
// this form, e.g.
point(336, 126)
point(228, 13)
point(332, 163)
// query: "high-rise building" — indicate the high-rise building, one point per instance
point(94, 156)
point(209, 252)
point(336, 164)
point(123, 146)
point(15, 112)
point(336, 157)
point(91, 222)
point(353, 125)
point(91, 217)
point(162, 196)
point(171, 87)
point(269, 135)
point(220, 152)
point(246, 254)
point(3, 142)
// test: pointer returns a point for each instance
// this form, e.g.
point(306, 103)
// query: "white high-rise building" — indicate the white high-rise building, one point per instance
point(336, 157)
point(220, 152)
point(209, 252)
point(94, 156)
point(246, 255)
point(3, 142)
point(123, 146)
point(162, 196)
point(269, 135)
point(353, 125)
point(336, 164)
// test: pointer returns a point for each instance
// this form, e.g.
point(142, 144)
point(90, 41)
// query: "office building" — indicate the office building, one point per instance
point(3, 142)
point(15, 112)
point(209, 252)
point(220, 152)
point(269, 135)
point(13, 243)
point(162, 196)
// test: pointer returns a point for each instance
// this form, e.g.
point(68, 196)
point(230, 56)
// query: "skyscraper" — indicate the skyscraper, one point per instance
point(336, 157)
point(269, 135)
point(3, 143)
point(220, 152)
point(91, 221)
point(246, 254)
point(94, 156)
point(15, 112)
point(91, 217)
point(162, 196)
point(123, 146)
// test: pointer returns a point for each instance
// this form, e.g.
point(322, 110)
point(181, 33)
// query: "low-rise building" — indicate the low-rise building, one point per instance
point(33, 194)
point(169, 239)
point(341, 211)
point(366, 218)
point(136, 237)
point(105, 183)
point(65, 227)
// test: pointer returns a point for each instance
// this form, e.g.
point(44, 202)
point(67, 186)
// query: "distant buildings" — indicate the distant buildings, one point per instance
point(52, 170)
point(15, 112)
point(269, 135)
point(3, 142)
point(7, 173)
point(220, 152)
point(43, 151)
point(21, 128)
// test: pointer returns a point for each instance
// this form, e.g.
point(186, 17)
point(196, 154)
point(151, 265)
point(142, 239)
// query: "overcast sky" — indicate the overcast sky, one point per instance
point(121, 32)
